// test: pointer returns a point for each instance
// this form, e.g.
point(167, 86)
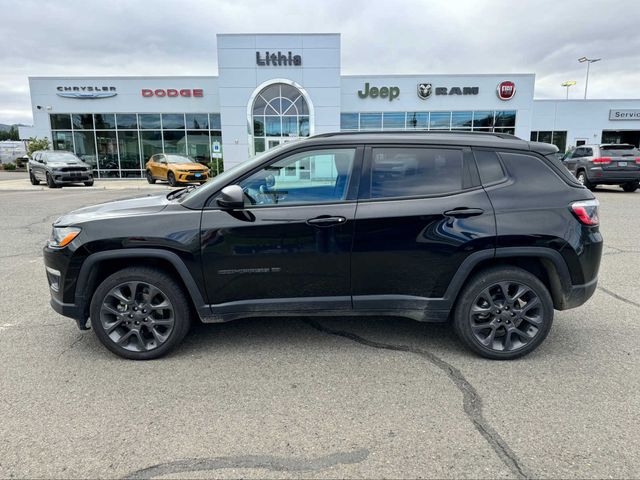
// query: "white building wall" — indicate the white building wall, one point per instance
point(240, 76)
point(408, 100)
point(582, 119)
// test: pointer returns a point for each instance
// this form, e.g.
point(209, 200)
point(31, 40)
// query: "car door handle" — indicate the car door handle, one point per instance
point(326, 221)
point(464, 212)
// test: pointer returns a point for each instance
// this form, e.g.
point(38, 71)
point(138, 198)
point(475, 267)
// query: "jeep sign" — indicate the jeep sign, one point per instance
point(382, 92)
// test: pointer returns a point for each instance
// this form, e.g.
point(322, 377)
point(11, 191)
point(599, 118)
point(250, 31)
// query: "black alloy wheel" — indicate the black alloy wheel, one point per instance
point(504, 313)
point(51, 183)
point(150, 178)
point(171, 178)
point(140, 313)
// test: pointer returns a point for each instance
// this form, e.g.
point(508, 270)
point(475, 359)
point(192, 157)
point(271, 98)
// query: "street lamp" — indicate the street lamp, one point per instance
point(567, 84)
point(589, 62)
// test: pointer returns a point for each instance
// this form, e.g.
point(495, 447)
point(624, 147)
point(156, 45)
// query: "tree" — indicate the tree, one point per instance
point(11, 134)
point(36, 144)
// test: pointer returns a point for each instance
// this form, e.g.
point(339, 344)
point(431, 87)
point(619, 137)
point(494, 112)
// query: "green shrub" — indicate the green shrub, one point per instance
point(216, 167)
point(9, 166)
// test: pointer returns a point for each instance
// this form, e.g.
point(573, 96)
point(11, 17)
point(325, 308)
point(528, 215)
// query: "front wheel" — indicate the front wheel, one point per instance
point(51, 182)
point(140, 313)
point(631, 187)
point(503, 313)
point(171, 178)
point(33, 179)
point(89, 183)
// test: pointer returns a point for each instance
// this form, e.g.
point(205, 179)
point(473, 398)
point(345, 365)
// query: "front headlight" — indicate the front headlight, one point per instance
point(62, 236)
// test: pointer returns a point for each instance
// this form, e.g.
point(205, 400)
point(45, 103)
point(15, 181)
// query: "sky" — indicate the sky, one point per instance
point(141, 37)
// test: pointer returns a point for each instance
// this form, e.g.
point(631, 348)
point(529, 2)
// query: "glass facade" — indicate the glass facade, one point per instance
point(503, 121)
point(556, 137)
point(280, 113)
point(118, 145)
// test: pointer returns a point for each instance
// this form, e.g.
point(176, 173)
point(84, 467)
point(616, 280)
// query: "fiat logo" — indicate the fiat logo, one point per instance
point(506, 90)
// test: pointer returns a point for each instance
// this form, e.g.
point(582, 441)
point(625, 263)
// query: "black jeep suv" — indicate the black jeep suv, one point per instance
point(485, 230)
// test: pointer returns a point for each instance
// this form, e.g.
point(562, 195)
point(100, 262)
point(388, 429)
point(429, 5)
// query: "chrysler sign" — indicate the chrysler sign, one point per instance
point(86, 92)
point(633, 114)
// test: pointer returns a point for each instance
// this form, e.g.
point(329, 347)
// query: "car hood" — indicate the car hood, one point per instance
point(119, 208)
point(66, 164)
point(189, 166)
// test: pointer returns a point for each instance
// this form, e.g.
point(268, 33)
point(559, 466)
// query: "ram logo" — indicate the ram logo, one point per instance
point(425, 90)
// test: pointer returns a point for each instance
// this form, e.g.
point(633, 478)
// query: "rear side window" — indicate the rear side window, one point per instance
point(489, 166)
point(409, 172)
point(619, 151)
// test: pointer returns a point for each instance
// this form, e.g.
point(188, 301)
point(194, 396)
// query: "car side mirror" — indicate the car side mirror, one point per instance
point(231, 197)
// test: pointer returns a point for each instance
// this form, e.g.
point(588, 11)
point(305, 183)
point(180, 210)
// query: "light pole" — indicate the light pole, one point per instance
point(589, 62)
point(567, 84)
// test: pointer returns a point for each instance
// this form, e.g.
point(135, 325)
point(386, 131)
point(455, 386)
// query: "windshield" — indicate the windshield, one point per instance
point(223, 178)
point(179, 159)
point(620, 151)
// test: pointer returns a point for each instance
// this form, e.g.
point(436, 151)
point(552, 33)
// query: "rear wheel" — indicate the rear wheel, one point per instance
point(33, 179)
point(150, 178)
point(171, 178)
point(630, 187)
point(582, 178)
point(89, 183)
point(503, 313)
point(140, 313)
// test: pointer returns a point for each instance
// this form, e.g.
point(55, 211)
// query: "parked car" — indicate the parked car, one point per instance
point(485, 230)
point(175, 169)
point(605, 164)
point(58, 168)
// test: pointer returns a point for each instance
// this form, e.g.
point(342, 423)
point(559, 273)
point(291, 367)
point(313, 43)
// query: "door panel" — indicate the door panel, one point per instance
point(407, 250)
point(274, 253)
point(290, 247)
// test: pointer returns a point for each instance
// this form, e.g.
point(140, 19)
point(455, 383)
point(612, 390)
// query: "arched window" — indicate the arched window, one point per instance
point(280, 114)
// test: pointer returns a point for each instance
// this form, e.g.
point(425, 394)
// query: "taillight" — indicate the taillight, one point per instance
point(586, 211)
point(638, 160)
point(602, 160)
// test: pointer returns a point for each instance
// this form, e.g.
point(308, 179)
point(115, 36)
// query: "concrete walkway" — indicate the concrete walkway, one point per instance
point(19, 181)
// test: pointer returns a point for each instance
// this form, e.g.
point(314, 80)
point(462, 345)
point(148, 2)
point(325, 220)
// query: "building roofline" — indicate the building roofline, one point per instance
point(583, 100)
point(114, 77)
point(272, 34)
point(429, 75)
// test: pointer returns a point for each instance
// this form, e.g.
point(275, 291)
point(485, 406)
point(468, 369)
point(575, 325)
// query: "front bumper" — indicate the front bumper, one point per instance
point(69, 177)
point(192, 177)
point(61, 273)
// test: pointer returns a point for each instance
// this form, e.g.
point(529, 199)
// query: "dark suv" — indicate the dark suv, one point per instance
point(606, 164)
point(58, 168)
point(486, 230)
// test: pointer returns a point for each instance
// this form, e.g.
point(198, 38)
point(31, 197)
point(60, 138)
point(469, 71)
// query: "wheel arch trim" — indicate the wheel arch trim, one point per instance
point(185, 275)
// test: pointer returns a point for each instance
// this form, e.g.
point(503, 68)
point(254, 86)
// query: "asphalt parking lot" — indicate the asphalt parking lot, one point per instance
point(321, 398)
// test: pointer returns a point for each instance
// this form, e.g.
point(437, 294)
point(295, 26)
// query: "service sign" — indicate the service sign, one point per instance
point(627, 114)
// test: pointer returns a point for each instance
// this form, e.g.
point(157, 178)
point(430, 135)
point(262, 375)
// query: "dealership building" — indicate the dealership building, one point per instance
point(275, 88)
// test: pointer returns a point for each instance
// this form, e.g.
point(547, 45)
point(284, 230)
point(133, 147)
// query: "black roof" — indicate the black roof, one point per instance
point(443, 137)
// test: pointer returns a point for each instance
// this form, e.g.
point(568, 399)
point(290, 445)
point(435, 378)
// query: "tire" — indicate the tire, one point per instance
point(630, 187)
point(89, 183)
point(119, 315)
point(33, 179)
point(508, 334)
point(582, 178)
point(171, 178)
point(51, 182)
point(150, 178)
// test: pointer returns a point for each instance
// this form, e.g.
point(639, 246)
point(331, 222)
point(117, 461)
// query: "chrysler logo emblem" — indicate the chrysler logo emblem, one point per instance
point(425, 90)
point(506, 90)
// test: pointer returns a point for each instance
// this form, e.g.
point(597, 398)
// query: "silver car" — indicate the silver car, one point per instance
point(58, 168)
point(605, 164)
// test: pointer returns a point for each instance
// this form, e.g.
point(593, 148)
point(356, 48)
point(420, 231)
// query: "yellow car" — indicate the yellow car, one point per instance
point(175, 169)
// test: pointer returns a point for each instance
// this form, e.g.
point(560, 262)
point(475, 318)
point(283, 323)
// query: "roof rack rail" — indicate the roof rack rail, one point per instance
point(506, 136)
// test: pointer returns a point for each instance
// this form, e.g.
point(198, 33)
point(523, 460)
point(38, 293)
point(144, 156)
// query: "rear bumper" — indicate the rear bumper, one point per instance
point(579, 294)
point(598, 175)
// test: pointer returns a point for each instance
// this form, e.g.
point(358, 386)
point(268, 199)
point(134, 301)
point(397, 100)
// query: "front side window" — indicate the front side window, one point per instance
point(319, 176)
point(410, 172)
